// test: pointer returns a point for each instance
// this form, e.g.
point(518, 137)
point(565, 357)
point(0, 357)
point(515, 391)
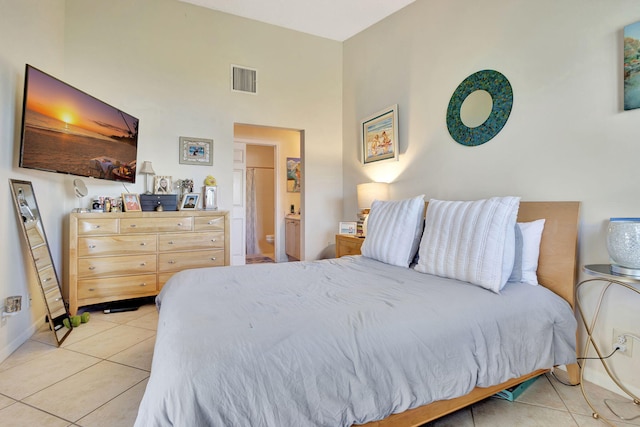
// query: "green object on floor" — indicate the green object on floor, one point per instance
point(66, 323)
point(512, 393)
point(75, 321)
point(84, 317)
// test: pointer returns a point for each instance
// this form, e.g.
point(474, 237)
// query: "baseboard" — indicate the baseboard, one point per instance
point(21, 339)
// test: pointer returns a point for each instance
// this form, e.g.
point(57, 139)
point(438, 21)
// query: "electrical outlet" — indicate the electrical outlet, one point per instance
point(618, 338)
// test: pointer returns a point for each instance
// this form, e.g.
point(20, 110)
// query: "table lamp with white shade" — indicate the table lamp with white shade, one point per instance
point(367, 193)
point(146, 170)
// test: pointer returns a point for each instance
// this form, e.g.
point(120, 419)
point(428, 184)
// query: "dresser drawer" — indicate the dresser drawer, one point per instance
point(55, 303)
point(190, 241)
point(116, 265)
point(33, 235)
point(177, 261)
point(153, 225)
point(113, 286)
point(206, 223)
point(97, 226)
point(48, 279)
point(41, 257)
point(117, 245)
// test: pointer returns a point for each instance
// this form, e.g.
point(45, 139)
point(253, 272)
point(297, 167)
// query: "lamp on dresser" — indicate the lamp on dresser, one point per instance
point(367, 193)
point(146, 170)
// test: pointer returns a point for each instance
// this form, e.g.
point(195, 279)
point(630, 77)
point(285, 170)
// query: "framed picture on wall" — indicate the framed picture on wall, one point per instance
point(294, 173)
point(379, 135)
point(196, 151)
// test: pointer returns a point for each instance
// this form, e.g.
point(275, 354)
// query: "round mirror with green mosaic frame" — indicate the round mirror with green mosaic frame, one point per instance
point(497, 85)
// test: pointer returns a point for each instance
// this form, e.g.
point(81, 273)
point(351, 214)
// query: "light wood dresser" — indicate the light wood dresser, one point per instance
point(117, 256)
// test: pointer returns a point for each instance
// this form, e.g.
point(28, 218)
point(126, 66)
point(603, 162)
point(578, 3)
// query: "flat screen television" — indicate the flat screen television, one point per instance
point(68, 131)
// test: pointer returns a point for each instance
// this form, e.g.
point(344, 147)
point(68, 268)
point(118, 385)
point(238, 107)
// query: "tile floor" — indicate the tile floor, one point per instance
point(98, 377)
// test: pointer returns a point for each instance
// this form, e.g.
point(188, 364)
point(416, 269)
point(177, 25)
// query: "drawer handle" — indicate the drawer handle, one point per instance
point(172, 262)
point(214, 240)
point(179, 224)
point(211, 222)
point(213, 258)
point(97, 226)
point(133, 226)
point(37, 259)
point(143, 284)
point(47, 279)
point(91, 289)
point(142, 264)
point(57, 299)
point(143, 244)
point(171, 242)
point(92, 246)
point(92, 268)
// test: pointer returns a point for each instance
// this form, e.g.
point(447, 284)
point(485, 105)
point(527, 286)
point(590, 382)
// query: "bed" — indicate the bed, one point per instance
point(357, 340)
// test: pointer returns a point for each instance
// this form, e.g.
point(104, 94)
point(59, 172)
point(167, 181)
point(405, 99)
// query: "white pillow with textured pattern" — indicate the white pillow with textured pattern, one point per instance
point(393, 231)
point(470, 241)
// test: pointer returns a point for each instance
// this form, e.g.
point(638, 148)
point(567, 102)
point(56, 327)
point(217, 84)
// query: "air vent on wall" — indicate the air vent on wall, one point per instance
point(244, 79)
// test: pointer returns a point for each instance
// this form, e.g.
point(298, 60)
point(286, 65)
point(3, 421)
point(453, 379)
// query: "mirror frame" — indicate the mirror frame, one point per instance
point(500, 90)
point(56, 323)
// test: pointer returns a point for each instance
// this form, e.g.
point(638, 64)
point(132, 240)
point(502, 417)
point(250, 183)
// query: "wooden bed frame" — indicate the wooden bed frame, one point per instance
point(557, 271)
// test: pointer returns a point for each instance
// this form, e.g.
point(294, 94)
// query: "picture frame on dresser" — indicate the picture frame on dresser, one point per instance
point(348, 227)
point(131, 202)
point(189, 201)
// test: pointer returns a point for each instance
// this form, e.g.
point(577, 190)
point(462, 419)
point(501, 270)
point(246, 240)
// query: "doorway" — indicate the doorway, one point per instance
point(260, 204)
point(285, 145)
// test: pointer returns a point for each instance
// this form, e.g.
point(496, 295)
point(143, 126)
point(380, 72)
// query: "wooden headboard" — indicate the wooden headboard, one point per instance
point(558, 262)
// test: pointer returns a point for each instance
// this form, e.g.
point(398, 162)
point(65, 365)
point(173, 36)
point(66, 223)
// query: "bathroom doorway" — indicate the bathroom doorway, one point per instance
point(287, 146)
point(261, 202)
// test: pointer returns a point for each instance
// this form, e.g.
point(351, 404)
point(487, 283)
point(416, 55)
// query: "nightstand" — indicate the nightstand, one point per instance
point(346, 244)
point(603, 280)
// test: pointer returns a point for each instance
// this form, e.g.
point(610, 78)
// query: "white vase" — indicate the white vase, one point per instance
point(623, 242)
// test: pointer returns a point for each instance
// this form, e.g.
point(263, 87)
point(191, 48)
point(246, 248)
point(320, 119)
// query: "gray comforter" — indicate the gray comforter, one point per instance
point(338, 342)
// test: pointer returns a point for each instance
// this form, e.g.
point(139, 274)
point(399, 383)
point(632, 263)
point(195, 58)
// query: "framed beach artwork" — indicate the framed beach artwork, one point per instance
point(294, 174)
point(632, 66)
point(379, 135)
point(196, 151)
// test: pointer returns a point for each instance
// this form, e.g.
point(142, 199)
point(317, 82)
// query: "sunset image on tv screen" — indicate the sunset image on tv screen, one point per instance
point(66, 130)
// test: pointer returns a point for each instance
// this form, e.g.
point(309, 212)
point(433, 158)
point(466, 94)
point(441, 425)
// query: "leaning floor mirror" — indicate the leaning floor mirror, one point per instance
point(38, 247)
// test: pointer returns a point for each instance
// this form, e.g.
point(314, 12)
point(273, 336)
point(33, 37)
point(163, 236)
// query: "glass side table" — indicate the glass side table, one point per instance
point(603, 279)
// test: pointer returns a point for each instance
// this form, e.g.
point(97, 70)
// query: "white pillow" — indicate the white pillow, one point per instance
point(394, 230)
point(470, 241)
point(527, 252)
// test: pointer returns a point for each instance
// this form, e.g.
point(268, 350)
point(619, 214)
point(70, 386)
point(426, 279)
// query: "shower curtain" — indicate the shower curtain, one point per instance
point(252, 217)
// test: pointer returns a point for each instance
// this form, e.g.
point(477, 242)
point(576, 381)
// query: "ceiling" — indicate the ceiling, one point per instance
point(332, 19)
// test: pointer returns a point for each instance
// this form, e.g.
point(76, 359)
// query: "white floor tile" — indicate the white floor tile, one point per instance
point(21, 415)
point(119, 412)
point(112, 341)
point(86, 391)
point(30, 377)
point(139, 356)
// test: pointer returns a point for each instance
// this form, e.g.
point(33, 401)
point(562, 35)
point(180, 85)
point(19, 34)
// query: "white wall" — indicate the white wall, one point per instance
point(567, 137)
point(32, 32)
point(166, 63)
